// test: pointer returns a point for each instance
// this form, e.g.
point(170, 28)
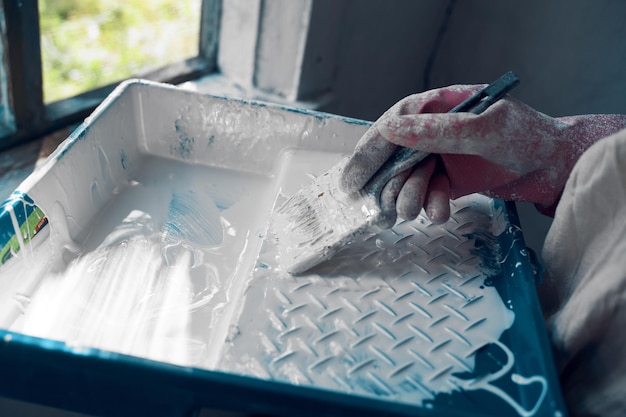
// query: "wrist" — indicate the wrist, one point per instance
point(582, 132)
point(585, 130)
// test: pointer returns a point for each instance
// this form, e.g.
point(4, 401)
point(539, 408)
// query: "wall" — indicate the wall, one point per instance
point(570, 54)
point(383, 52)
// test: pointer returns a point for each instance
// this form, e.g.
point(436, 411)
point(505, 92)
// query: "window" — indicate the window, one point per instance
point(30, 105)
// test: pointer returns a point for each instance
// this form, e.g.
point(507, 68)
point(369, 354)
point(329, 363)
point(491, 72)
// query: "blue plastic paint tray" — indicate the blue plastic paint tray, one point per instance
point(140, 276)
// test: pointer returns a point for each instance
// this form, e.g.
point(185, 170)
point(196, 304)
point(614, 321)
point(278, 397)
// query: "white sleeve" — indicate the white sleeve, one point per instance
point(584, 293)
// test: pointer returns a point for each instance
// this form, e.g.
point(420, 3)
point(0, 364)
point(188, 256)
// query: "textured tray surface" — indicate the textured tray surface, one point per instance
point(396, 316)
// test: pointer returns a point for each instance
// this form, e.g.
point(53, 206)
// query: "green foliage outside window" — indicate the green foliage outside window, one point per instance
point(89, 43)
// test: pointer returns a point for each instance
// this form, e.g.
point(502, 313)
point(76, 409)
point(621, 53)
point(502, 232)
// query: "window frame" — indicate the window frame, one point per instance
point(26, 115)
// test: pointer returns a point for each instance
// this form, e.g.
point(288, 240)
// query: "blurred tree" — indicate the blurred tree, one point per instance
point(89, 43)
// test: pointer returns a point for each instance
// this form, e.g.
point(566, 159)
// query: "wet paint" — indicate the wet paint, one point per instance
point(166, 252)
point(394, 316)
point(156, 267)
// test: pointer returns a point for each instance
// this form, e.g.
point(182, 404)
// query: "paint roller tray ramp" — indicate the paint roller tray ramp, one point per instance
point(139, 276)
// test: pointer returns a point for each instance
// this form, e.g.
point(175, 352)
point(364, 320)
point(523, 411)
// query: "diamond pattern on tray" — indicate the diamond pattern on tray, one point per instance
point(394, 317)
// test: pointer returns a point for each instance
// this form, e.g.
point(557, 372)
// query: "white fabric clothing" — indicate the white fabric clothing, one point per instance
point(584, 293)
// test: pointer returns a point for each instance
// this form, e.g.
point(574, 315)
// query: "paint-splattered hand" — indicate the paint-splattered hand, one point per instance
point(510, 151)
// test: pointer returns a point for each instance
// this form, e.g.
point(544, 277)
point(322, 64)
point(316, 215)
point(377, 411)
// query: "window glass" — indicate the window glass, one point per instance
point(90, 43)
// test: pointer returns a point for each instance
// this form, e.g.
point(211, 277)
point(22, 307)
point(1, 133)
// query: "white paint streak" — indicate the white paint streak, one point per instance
point(150, 281)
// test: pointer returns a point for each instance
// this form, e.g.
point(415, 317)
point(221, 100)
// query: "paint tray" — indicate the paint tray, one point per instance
point(139, 276)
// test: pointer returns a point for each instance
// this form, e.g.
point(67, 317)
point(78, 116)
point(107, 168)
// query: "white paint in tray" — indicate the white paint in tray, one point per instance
point(396, 316)
point(156, 271)
point(169, 271)
point(181, 266)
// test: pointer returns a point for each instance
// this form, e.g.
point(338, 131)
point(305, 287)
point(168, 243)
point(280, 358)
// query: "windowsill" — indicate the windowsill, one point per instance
point(220, 85)
point(19, 162)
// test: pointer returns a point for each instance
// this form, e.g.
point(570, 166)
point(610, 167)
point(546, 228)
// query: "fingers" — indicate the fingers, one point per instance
point(369, 155)
point(413, 194)
point(388, 197)
point(435, 132)
point(426, 186)
point(400, 125)
point(439, 100)
point(437, 204)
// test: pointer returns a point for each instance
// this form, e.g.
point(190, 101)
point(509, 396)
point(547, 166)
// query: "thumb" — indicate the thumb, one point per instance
point(369, 155)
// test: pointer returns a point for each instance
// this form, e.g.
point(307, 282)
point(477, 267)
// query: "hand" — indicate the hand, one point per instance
point(510, 151)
